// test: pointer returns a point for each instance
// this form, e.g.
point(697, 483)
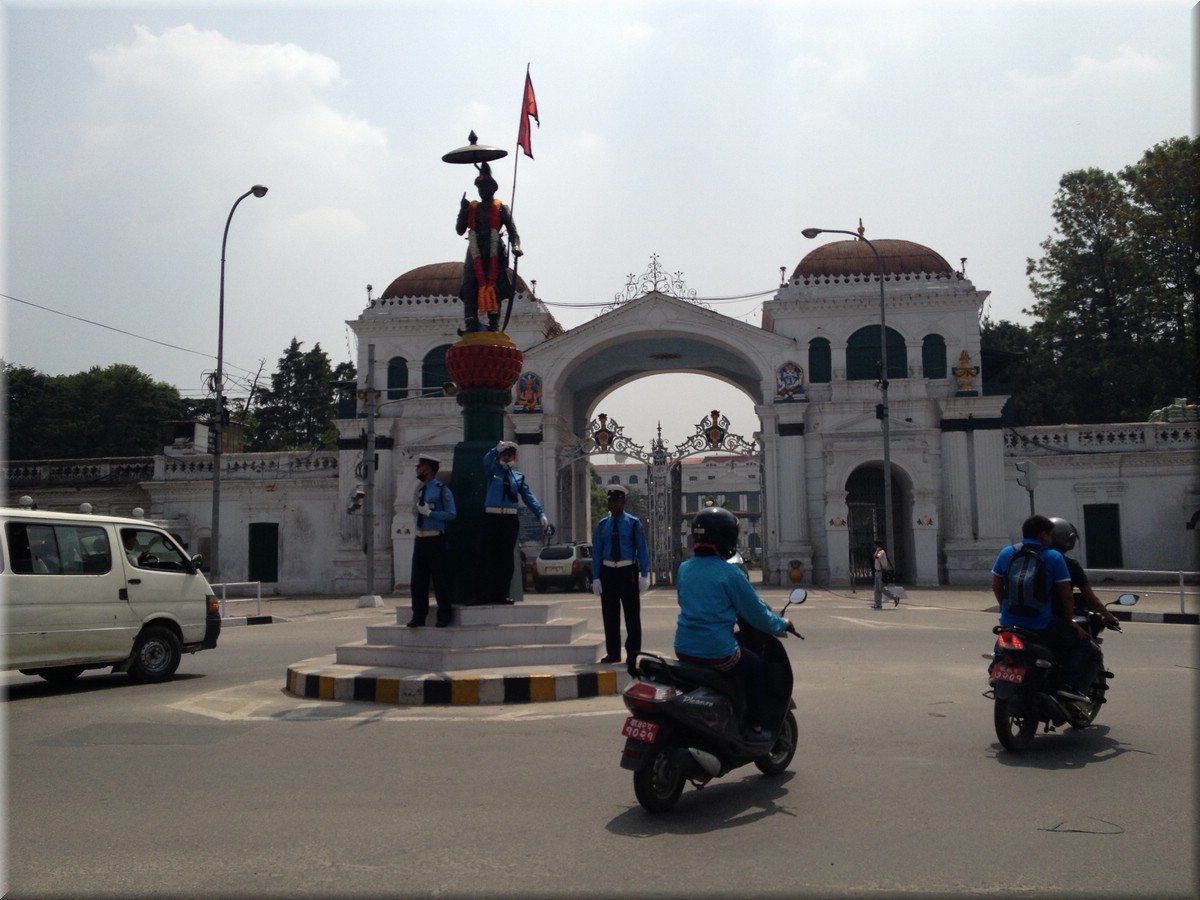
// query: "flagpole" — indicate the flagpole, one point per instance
point(512, 202)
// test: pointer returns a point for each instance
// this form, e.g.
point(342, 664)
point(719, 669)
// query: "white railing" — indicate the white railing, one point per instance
point(257, 599)
point(1128, 575)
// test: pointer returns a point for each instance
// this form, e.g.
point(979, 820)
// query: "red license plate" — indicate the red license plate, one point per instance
point(1008, 673)
point(640, 730)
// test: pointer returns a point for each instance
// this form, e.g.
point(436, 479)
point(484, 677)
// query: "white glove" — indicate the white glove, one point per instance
point(596, 586)
point(643, 582)
point(424, 509)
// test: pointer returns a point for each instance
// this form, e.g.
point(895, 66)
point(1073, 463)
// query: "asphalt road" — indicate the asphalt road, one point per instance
point(220, 784)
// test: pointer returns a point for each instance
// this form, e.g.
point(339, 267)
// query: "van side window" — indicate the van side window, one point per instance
point(153, 550)
point(58, 549)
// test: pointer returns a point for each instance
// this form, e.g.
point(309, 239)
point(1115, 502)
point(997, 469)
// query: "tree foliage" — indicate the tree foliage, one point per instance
point(298, 412)
point(116, 411)
point(1117, 330)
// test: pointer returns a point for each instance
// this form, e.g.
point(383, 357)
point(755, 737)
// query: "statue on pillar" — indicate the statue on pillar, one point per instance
point(485, 284)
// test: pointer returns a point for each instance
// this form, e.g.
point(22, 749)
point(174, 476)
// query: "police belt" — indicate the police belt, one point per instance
point(501, 510)
point(613, 564)
point(431, 534)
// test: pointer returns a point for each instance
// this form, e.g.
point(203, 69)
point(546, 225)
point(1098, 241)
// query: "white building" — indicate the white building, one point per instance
point(1131, 489)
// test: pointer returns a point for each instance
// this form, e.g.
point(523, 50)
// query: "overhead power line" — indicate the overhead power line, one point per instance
point(140, 337)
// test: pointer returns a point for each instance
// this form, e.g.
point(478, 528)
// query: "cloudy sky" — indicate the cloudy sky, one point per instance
point(708, 133)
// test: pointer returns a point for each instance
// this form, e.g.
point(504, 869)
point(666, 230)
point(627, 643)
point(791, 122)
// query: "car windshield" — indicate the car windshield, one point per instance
point(557, 551)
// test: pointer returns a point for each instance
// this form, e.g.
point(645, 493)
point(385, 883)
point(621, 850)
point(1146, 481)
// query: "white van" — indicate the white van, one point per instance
point(86, 592)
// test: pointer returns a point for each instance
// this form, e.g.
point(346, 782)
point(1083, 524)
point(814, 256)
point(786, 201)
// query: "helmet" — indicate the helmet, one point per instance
point(1063, 536)
point(718, 527)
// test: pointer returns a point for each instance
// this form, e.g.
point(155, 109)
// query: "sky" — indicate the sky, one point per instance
point(705, 134)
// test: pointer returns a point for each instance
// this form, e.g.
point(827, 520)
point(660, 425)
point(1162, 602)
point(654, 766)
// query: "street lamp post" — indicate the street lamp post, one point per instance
point(219, 413)
point(883, 385)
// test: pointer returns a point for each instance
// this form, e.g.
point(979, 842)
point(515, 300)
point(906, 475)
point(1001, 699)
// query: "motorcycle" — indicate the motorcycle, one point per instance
point(1024, 675)
point(685, 724)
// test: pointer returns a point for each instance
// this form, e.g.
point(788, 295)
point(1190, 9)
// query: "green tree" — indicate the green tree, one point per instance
point(298, 411)
point(115, 411)
point(1116, 334)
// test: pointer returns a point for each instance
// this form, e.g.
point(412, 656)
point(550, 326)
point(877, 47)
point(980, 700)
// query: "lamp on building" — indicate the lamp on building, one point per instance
point(882, 412)
point(214, 555)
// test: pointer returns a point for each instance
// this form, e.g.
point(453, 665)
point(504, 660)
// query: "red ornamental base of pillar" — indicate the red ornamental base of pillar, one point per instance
point(484, 361)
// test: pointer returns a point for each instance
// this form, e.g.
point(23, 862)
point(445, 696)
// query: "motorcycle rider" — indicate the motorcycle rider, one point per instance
point(1055, 622)
point(711, 595)
point(1063, 539)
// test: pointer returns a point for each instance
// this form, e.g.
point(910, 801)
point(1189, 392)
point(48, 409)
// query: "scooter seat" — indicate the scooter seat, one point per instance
point(703, 675)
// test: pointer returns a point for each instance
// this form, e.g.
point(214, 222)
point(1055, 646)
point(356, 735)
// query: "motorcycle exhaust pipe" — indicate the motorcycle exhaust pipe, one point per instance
point(709, 763)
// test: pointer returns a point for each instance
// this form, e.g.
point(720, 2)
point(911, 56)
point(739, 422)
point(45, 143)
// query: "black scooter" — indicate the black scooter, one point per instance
point(686, 723)
point(1024, 675)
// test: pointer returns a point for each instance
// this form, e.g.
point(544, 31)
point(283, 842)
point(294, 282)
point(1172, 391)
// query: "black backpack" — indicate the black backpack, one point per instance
point(1024, 592)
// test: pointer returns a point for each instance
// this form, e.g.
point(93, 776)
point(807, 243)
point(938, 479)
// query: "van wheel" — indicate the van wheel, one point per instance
point(156, 655)
point(59, 674)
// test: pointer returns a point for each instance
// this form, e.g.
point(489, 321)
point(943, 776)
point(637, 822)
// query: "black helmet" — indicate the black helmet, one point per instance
point(718, 527)
point(1063, 536)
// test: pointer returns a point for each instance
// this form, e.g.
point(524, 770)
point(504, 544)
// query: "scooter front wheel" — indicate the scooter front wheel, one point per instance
point(780, 757)
point(1015, 725)
point(659, 782)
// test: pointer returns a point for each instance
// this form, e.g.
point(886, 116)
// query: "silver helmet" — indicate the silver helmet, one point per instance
point(1063, 537)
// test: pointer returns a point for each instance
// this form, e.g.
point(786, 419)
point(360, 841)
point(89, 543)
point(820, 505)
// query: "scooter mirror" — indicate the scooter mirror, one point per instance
point(1127, 599)
point(797, 596)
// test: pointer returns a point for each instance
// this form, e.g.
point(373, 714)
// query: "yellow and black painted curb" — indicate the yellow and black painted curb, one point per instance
point(451, 690)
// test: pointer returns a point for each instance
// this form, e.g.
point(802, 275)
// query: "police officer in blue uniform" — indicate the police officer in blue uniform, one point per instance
point(498, 534)
point(621, 571)
point(435, 509)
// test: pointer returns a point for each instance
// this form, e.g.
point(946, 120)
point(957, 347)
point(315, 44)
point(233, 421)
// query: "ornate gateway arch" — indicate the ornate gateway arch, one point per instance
point(712, 435)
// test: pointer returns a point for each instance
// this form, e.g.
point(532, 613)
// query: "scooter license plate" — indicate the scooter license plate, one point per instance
point(640, 730)
point(1008, 673)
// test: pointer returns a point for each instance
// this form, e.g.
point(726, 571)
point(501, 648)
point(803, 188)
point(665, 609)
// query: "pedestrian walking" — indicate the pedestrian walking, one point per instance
point(879, 562)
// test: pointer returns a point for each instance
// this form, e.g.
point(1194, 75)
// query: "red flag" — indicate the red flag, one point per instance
point(528, 108)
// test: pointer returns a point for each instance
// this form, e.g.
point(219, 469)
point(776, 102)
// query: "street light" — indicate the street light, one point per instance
point(811, 233)
point(218, 387)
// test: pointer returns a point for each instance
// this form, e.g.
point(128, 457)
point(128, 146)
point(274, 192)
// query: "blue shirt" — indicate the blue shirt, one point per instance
point(496, 496)
point(631, 542)
point(711, 593)
point(1056, 573)
point(441, 501)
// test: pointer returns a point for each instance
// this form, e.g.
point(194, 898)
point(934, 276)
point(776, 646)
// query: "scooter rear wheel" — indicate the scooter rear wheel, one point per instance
point(1015, 727)
point(659, 783)
point(780, 757)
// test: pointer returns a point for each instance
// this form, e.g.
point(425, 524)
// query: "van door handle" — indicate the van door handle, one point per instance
point(135, 581)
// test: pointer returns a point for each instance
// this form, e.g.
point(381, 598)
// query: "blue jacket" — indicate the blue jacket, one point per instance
point(439, 497)
point(518, 486)
point(711, 593)
point(632, 539)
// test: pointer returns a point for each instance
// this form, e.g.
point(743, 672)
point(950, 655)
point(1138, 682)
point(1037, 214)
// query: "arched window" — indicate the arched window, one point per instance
point(633, 479)
point(397, 385)
point(862, 353)
point(614, 479)
point(433, 371)
point(933, 356)
point(820, 361)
